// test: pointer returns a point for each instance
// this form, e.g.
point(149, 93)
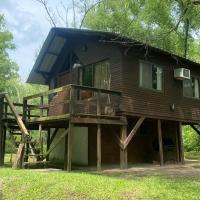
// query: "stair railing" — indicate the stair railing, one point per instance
point(25, 134)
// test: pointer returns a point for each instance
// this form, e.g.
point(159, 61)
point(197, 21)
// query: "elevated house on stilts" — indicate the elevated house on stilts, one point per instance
point(111, 100)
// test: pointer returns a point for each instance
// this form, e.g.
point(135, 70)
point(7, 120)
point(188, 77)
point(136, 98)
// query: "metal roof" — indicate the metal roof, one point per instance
point(57, 38)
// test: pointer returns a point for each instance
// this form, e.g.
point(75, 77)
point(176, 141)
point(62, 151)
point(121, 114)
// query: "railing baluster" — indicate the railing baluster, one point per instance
point(24, 109)
point(71, 101)
point(98, 103)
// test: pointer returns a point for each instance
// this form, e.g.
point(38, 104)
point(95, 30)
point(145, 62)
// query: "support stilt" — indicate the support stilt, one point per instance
point(177, 146)
point(123, 152)
point(160, 141)
point(98, 147)
point(181, 143)
point(48, 142)
point(68, 148)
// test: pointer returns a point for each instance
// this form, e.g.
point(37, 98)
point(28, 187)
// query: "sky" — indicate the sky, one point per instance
point(27, 20)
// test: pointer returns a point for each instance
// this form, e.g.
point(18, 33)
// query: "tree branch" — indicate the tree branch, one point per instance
point(88, 10)
point(44, 3)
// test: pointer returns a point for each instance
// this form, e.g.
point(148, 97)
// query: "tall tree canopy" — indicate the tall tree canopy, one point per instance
point(172, 25)
point(8, 69)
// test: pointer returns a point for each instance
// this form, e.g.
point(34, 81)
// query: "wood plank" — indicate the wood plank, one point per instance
point(49, 118)
point(177, 147)
point(53, 146)
point(69, 147)
point(123, 152)
point(88, 120)
point(19, 157)
point(49, 92)
point(195, 129)
point(96, 89)
point(134, 131)
point(98, 147)
point(48, 142)
point(160, 142)
point(53, 136)
point(181, 143)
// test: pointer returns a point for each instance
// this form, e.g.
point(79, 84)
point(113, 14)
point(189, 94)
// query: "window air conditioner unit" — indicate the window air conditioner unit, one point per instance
point(181, 73)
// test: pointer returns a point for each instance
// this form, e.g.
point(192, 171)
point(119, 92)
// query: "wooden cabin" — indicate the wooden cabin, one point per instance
point(112, 100)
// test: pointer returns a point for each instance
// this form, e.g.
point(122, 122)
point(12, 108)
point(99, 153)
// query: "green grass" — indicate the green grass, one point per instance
point(192, 155)
point(26, 184)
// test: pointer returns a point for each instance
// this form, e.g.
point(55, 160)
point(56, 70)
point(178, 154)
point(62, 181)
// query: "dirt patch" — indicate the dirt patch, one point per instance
point(189, 169)
point(77, 195)
point(131, 195)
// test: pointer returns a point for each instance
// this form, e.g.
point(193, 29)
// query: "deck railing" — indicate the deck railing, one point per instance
point(72, 99)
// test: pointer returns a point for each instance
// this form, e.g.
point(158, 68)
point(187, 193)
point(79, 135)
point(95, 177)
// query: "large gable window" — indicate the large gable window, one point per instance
point(191, 87)
point(151, 76)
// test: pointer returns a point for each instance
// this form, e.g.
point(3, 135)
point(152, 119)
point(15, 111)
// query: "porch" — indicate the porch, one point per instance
point(73, 106)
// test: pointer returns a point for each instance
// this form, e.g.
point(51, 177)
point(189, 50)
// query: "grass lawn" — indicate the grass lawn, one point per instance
point(27, 184)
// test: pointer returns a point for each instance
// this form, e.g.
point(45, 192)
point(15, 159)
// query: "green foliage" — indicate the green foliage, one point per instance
point(8, 69)
point(155, 22)
point(191, 139)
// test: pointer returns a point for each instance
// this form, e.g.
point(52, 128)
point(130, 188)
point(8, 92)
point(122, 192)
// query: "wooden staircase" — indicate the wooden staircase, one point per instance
point(16, 126)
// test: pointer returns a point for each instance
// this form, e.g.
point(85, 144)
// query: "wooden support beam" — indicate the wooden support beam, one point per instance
point(53, 146)
point(118, 140)
point(134, 131)
point(68, 148)
point(98, 147)
point(48, 142)
point(123, 152)
point(41, 138)
point(177, 146)
point(53, 136)
point(160, 142)
point(181, 143)
point(195, 129)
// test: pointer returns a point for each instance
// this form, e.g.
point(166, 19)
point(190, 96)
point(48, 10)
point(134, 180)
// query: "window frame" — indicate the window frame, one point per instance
point(162, 81)
point(192, 97)
point(93, 70)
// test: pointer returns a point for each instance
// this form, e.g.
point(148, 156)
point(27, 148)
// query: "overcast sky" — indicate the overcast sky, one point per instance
point(27, 21)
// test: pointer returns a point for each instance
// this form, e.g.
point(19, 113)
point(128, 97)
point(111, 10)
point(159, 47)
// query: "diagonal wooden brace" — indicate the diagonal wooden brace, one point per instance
point(133, 132)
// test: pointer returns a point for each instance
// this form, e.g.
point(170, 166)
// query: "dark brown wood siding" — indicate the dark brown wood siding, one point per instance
point(96, 51)
point(155, 104)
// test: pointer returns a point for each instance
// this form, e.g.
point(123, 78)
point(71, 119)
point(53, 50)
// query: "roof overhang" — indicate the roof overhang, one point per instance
point(47, 57)
point(57, 38)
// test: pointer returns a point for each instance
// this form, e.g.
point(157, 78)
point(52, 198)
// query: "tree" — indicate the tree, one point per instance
point(163, 24)
point(8, 69)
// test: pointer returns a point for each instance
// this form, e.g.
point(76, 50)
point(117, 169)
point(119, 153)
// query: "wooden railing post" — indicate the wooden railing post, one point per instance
point(71, 100)
point(98, 103)
point(24, 109)
point(41, 106)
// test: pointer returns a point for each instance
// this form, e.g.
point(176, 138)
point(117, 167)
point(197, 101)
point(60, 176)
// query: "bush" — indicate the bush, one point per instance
point(191, 139)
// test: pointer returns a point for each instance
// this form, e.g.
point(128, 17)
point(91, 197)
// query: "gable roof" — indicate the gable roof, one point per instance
point(57, 38)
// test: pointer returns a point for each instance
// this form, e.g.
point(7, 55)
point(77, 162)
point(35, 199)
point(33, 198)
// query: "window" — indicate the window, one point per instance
point(87, 76)
point(191, 87)
point(96, 75)
point(150, 76)
point(102, 75)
